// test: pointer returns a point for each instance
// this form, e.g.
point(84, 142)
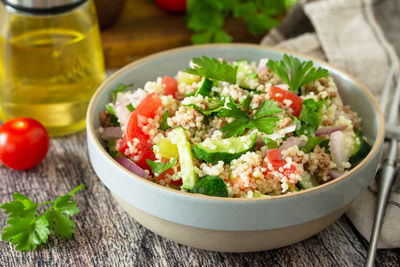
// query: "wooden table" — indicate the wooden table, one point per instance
point(144, 29)
point(105, 235)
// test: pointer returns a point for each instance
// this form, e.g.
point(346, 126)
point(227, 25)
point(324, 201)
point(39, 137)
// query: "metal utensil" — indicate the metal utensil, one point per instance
point(388, 169)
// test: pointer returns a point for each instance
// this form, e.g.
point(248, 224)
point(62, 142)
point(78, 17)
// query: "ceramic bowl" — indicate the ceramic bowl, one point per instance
point(225, 224)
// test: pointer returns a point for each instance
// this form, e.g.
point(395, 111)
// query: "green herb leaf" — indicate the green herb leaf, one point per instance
point(158, 167)
point(267, 108)
point(212, 68)
point(130, 107)
point(110, 109)
point(296, 73)
point(21, 207)
point(262, 119)
point(121, 88)
point(163, 124)
point(312, 142)
point(309, 118)
point(271, 144)
point(251, 75)
point(27, 231)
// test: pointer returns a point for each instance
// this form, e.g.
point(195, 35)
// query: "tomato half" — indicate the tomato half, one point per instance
point(174, 6)
point(146, 109)
point(170, 86)
point(279, 95)
point(24, 143)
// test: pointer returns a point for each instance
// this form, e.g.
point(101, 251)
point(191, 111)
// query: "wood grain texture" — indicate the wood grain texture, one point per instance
point(107, 236)
point(144, 29)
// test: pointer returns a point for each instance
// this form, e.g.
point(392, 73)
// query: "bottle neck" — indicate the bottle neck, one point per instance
point(47, 7)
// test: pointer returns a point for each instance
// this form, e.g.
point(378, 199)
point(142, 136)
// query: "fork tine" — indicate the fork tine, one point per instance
point(394, 108)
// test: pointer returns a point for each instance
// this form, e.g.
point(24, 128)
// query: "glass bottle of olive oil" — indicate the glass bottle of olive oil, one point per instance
point(51, 62)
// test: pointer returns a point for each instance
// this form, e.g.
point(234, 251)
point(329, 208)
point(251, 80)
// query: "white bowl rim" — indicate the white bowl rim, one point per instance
point(91, 131)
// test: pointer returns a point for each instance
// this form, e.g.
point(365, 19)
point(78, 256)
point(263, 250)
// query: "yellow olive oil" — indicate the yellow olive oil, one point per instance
point(50, 74)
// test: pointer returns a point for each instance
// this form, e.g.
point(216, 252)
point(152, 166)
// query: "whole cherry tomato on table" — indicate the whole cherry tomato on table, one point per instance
point(24, 143)
point(174, 6)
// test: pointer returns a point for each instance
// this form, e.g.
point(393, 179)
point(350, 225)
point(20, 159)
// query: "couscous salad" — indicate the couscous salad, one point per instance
point(235, 128)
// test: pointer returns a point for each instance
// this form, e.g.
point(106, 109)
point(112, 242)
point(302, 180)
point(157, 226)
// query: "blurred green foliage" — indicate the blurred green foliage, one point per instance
point(206, 17)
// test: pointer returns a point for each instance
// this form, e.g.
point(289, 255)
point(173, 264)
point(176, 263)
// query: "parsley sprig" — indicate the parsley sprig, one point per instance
point(262, 119)
point(27, 230)
point(212, 68)
point(159, 167)
point(296, 73)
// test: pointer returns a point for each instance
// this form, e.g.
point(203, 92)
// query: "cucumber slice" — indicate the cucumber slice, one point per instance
point(211, 186)
point(205, 88)
point(189, 176)
point(361, 150)
point(226, 150)
point(307, 182)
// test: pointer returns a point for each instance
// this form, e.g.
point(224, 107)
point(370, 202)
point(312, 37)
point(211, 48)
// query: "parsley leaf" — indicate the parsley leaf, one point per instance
point(163, 124)
point(27, 231)
point(262, 119)
point(212, 68)
point(158, 167)
point(271, 144)
point(121, 88)
point(312, 142)
point(309, 118)
point(296, 73)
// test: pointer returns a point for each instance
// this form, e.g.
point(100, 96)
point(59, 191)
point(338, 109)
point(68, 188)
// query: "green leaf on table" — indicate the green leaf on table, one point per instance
point(27, 231)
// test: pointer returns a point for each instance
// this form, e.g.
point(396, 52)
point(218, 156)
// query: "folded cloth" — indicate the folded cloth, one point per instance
point(347, 34)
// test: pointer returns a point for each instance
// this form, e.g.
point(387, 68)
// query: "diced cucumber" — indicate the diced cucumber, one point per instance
point(226, 150)
point(205, 88)
point(361, 150)
point(186, 78)
point(307, 182)
point(211, 186)
point(189, 176)
point(167, 148)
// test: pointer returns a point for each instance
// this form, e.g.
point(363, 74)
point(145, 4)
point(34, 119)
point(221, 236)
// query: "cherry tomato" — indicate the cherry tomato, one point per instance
point(24, 143)
point(170, 86)
point(174, 6)
point(279, 95)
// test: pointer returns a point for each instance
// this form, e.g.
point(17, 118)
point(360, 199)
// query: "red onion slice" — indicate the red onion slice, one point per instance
point(291, 141)
point(261, 69)
point(338, 151)
point(111, 133)
point(329, 130)
point(131, 166)
point(335, 174)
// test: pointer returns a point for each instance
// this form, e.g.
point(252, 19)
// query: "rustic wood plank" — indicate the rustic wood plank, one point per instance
point(107, 236)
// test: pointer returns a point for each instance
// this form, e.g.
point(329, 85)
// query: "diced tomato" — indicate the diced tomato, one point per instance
point(170, 86)
point(123, 145)
point(274, 157)
point(279, 95)
point(146, 109)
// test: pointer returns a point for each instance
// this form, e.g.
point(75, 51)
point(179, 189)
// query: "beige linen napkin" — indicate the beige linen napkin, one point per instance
point(348, 36)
